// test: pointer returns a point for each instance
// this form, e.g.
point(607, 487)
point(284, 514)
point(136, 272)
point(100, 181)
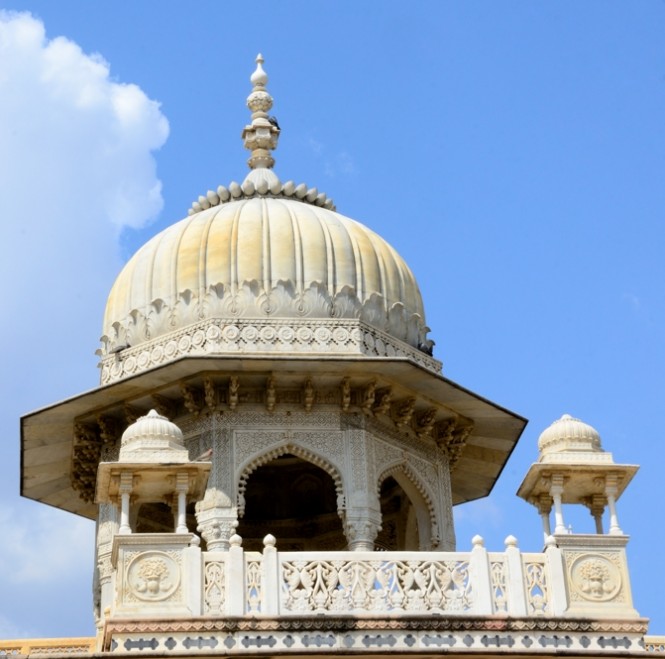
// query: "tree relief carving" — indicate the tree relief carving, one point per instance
point(153, 576)
point(595, 578)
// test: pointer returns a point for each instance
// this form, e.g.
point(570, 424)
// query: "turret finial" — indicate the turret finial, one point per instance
point(261, 136)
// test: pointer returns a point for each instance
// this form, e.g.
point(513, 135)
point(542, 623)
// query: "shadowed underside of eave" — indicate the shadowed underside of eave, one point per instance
point(47, 435)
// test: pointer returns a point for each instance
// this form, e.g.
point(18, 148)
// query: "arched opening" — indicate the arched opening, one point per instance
point(399, 522)
point(296, 502)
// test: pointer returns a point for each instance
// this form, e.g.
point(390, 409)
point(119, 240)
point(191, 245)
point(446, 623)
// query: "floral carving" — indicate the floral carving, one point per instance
point(153, 576)
point(595, 578)
point(376, 586)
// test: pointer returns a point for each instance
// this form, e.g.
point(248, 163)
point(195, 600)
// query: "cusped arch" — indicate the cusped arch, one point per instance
point(420, 497)
point(275, 452)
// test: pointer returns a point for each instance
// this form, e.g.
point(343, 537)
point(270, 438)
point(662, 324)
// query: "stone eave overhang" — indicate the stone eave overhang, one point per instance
point(47, 435)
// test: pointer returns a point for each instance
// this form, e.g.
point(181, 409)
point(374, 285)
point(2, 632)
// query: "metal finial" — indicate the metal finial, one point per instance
point(261, 136)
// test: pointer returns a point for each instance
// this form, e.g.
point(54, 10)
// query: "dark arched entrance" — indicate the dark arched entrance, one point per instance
point(296, 502)
point(399, 526)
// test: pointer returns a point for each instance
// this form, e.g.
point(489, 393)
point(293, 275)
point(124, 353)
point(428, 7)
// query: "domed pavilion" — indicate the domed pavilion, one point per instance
point(273, 454)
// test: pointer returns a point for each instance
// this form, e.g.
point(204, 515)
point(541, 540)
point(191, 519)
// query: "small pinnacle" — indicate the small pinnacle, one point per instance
point(261, 135)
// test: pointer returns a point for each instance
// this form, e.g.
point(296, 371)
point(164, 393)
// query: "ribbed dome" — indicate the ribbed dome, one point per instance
point(569, 435)
point(152, 438)
point(263, 257)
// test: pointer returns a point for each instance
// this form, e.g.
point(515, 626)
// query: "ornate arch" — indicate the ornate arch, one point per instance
point(420, 497)
point(300, 452)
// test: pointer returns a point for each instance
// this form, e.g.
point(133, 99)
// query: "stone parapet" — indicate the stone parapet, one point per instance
point(367, 602)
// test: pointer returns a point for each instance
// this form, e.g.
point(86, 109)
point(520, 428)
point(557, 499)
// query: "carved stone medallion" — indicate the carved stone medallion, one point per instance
point(595, 578)
point(153, 576)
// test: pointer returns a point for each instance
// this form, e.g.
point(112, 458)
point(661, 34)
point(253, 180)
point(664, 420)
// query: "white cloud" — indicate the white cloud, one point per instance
point(76, 166)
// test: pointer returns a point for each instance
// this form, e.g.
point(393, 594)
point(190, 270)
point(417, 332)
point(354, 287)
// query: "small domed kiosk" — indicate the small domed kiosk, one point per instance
point(573, 468)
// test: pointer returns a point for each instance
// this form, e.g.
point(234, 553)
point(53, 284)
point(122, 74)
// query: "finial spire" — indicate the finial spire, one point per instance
point(261, 136)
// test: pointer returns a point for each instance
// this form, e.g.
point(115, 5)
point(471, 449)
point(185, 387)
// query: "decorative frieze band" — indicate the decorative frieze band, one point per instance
point(296, 337)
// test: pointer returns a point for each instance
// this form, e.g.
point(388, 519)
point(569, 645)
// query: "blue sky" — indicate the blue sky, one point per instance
point(513, 153)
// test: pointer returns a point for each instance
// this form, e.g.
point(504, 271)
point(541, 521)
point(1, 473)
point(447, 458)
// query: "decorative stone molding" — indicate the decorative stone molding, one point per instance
point(267, 187)
point(257, 336)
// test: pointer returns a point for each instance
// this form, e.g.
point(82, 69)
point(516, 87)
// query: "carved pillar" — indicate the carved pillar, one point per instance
point(362, 519)
point(611, 489)
point(361, 531)
point(125, 490)
point(556, 490)
point(216, 513)
point(181, 488)
point(217, 519)
point(444, 536)
point(107, 527)
point(597, 508)
point(544, 505)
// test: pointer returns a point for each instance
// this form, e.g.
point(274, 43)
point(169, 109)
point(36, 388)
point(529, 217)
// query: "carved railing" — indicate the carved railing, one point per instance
point(654, 644)
point(375, 583)
point(568, 578)
point(42, 646)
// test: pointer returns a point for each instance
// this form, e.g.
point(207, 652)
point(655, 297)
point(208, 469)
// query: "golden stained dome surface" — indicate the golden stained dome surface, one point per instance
point(263, 257)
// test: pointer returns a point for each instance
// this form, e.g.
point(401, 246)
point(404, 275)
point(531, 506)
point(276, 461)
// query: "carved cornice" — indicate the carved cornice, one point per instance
point(255, 336)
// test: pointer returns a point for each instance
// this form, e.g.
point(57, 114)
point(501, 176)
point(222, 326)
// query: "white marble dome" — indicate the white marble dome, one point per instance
point(569, 435)
point(264, 257)
point(153, 438)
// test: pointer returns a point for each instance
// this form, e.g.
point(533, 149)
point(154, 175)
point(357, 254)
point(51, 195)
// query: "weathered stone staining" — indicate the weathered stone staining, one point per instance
point(273, 455)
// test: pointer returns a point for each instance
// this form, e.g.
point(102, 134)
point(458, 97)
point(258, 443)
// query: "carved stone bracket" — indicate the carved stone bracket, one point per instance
point(451, 436)
point(85, 458)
